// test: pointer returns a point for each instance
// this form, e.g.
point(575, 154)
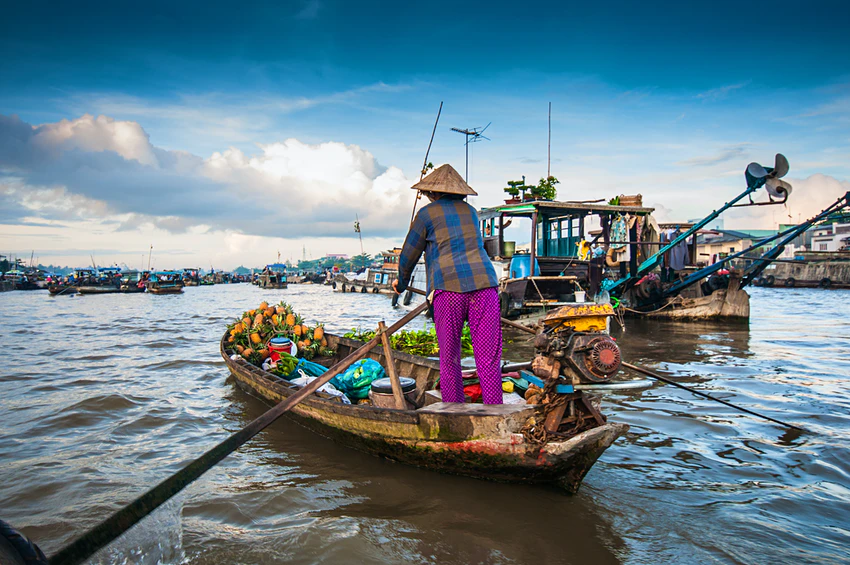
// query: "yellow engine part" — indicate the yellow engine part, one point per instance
point(580, 317)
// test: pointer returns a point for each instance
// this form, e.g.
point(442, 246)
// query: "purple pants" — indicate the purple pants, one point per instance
point(481, 309)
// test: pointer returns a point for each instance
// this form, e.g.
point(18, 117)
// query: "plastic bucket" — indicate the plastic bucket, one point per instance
point(521, 266)
point(579, 296)
point(509, 247)
point(278, 345)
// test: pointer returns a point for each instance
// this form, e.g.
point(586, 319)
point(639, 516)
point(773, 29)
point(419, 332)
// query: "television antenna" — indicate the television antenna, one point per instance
point(472, 135)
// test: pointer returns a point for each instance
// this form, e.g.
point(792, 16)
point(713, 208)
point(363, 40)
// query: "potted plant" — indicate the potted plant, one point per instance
point(545, 189)
point(513, 190)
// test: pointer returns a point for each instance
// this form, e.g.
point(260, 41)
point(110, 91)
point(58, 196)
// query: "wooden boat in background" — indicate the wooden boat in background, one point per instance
point(273, 277)
point(100, 289)
point(165, 282)
point(476, 440)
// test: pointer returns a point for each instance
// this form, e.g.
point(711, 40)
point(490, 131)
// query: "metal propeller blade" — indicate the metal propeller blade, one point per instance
point(756, 171)
point(777, 188)
point(782, 167)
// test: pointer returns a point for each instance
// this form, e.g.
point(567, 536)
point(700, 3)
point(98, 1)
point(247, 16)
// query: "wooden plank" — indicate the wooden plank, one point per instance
point(553, 420)
point(398, 395)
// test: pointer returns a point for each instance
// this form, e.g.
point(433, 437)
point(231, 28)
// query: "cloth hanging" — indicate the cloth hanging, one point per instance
point(618, 232)
point(650, 234)
point(679, 256)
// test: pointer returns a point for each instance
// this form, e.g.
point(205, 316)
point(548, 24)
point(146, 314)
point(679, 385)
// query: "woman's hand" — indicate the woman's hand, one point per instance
point(395, 286)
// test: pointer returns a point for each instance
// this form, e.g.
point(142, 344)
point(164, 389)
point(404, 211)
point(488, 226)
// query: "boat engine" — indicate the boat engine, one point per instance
point(575, 340)
point(574, 348)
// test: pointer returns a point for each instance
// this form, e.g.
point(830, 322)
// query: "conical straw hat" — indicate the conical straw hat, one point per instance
point(445, 179)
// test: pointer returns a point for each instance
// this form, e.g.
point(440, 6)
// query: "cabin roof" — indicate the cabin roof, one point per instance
point(551, 208)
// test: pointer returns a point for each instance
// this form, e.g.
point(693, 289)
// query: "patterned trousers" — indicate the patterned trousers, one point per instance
point(481, 309)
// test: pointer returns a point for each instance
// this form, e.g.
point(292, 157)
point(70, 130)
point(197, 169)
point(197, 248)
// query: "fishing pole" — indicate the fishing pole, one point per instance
point(649, 373)
point(425, 163)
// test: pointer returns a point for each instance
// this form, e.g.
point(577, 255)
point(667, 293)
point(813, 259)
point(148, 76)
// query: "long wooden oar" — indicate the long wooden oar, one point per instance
point(108, 530)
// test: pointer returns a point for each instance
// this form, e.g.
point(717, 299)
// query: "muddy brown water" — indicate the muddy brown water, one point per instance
point(103, 396)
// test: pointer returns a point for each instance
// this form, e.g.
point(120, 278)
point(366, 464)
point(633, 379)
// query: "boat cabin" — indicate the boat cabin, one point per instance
point(390, 259)
point(564, 261)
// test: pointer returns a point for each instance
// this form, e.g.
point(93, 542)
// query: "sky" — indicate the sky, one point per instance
point(225, 133)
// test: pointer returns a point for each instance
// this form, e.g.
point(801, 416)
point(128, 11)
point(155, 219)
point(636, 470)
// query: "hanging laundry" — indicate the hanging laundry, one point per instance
point(618, 232)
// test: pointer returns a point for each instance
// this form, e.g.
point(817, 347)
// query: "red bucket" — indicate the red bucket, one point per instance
point(278, 345)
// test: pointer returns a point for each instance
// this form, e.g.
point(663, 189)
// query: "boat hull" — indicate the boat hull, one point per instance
point(61, 290)
point(465, 439)
point(98, 290)
point(166, 290)
point(731, 303)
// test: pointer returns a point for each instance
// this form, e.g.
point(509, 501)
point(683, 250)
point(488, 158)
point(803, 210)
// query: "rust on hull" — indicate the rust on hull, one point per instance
point(465, 439)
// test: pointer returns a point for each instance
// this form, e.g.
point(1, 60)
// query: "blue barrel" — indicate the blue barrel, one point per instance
point(521, 266)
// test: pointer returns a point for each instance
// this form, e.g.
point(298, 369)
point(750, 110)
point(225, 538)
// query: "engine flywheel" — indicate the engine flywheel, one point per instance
point(604, 357)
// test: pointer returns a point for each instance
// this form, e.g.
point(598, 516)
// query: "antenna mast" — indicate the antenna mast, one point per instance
point(549, 148)
point(476, 135)
point(357, 230)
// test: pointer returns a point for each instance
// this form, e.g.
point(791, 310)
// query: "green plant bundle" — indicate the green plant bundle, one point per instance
point(416, 342)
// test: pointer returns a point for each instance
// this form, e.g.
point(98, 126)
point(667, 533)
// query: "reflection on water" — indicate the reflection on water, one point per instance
point(103, 396)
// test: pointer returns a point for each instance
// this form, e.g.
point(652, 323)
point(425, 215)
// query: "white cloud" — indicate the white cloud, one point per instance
point(102, 133)
point(101, 170)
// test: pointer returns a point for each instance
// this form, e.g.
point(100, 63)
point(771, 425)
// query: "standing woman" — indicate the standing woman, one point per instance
point(462, 282)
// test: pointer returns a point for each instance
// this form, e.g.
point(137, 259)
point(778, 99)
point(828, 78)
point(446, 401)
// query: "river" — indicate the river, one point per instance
point(101, 397)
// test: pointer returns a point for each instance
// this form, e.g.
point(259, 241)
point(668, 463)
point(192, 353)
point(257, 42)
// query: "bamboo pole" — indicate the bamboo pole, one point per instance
point(388, 355)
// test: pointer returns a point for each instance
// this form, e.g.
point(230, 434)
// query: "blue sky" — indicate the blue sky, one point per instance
point(671, 100)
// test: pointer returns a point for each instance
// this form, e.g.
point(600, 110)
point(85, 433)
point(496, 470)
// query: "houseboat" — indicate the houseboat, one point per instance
point(568, 264)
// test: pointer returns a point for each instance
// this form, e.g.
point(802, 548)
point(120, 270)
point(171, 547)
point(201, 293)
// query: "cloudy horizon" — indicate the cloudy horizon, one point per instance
point(271, 129)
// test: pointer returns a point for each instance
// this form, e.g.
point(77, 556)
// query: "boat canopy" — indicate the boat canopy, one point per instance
point(558, 226)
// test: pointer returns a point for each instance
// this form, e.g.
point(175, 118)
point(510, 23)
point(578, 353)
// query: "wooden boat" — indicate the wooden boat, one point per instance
point(476, 440)
point(725, 303)
point(61, 289)
point(273, 277)
point(157, 288)
point(555, 268)
point(165, 282)
point(101, 289)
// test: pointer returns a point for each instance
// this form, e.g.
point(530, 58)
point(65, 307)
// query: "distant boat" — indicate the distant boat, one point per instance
point(165, 282)
point(273, 277)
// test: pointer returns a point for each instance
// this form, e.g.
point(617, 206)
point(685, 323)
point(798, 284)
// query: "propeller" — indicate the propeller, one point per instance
point(781, 168)
point(758, 176)
point(777, 188)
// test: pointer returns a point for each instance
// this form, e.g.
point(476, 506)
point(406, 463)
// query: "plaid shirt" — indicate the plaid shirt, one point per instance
point(447, 231)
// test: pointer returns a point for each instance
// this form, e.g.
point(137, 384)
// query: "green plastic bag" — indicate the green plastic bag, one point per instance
point(357, 379)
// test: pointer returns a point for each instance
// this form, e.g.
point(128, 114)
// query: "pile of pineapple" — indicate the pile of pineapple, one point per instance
point(250, 334)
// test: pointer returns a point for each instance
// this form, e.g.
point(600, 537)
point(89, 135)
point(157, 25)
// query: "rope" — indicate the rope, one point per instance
point(676, 300)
